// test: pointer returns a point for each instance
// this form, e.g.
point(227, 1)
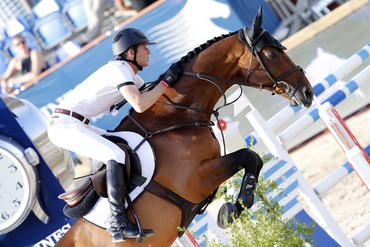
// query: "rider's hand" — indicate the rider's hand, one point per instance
point(171, 75)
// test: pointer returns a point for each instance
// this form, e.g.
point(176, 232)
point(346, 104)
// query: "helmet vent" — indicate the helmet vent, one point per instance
point(139, 35)
point(117, 38)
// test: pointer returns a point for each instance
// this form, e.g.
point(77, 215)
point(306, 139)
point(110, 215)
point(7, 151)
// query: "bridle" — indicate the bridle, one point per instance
point(289, 91)
point(252, 46)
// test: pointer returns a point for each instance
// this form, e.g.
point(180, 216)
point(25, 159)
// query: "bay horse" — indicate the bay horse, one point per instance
point(189, 163)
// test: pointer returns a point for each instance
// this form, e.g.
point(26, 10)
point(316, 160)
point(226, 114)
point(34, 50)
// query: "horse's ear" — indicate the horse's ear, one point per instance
point(258, 18)
point(256, 27)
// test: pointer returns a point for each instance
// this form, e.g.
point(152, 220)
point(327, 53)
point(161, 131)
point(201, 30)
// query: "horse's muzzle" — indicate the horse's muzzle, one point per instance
point(303, 97)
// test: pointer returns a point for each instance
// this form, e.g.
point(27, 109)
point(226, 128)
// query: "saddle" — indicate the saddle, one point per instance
point(97, 181)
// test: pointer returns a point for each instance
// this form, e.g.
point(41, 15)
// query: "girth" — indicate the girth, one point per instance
point(188, 209)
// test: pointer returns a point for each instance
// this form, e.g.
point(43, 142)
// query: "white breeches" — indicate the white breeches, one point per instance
point(71, 134)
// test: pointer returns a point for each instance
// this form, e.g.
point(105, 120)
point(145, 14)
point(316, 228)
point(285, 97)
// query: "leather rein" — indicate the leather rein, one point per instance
point(251, 45)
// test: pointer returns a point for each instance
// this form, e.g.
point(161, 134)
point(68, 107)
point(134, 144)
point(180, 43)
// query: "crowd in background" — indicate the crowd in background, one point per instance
point(101, 16)
point(24, 55)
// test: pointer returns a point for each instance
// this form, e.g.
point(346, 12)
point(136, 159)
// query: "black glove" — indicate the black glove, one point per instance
point(172, 74)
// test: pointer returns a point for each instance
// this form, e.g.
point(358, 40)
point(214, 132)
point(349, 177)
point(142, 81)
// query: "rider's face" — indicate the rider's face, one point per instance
point(142, 55)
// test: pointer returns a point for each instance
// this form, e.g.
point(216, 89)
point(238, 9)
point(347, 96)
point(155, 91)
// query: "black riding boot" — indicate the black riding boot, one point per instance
point(120, 227)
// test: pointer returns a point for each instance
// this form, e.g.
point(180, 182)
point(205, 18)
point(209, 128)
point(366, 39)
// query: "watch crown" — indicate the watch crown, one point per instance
point(31, 156)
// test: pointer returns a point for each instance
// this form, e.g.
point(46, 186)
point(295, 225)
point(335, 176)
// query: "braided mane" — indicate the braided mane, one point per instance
point(202, 47)
point(198, 50)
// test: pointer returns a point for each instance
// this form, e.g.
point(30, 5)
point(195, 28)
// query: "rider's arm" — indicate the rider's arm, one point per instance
point(142, 101)
point(10, 70)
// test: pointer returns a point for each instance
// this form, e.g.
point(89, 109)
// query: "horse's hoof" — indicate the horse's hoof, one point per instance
point(226, 215)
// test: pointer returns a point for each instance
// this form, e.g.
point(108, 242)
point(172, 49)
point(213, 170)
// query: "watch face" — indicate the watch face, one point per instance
point(16, 192)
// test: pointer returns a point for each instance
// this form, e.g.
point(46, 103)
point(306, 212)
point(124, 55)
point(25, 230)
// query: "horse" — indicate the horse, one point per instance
point(189, 166)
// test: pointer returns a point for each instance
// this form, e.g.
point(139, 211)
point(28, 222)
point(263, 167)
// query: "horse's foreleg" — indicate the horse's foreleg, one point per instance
point(217, 171)
point(250, 179)
point(226, 167)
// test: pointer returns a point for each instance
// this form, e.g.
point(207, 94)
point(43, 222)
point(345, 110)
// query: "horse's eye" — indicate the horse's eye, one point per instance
point(270, 54)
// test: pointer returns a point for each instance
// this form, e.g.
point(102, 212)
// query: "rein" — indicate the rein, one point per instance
point(215, 113)
point(288, 90)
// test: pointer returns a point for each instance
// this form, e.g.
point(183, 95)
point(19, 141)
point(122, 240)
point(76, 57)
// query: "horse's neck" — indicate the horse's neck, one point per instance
point(200, 95)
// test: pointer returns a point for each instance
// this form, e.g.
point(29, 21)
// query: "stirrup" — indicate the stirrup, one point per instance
point(132, 231)
point(129, 231)
point(143, 233)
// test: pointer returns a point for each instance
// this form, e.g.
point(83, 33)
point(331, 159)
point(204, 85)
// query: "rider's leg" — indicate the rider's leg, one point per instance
point(61, 133)
point(120, 227)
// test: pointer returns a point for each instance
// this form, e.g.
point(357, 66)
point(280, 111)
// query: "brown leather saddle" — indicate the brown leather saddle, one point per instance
point(97, 181)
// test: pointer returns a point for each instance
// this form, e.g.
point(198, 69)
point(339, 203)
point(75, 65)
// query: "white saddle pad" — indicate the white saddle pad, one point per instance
point(99, 214)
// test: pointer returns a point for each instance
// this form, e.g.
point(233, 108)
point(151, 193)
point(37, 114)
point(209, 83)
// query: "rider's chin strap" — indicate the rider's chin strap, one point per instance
point(133, 61)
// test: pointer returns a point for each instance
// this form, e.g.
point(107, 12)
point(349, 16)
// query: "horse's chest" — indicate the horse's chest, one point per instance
point(197, 146)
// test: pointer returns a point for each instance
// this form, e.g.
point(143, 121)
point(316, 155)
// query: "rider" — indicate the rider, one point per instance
point(69, 126)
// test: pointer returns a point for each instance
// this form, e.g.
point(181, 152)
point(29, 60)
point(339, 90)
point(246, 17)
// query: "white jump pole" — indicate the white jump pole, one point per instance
point(362, 236)
point(272, 143)
point(280, 118)
point(356, 155)
point(335, 177)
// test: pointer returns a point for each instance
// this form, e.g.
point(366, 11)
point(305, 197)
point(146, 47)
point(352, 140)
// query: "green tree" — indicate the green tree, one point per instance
point(266, 226)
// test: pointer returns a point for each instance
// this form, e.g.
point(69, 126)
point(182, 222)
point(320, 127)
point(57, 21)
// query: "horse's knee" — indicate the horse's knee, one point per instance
point(251, 157)
point(256, 158)
point(253, 161)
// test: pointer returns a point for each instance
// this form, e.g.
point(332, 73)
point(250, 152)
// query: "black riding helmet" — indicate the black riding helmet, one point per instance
point(129, 38)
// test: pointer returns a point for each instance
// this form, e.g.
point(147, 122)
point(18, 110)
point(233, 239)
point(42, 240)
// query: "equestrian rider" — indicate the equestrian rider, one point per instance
point(69, 126)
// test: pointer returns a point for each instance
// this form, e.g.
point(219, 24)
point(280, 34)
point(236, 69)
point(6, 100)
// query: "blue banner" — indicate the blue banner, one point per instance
point(33, 232)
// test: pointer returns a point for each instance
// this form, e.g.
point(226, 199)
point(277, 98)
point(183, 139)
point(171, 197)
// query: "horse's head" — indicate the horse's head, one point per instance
point(267, 66)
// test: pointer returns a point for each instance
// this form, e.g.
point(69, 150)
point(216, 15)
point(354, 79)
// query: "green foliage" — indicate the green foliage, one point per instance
point(265, 226)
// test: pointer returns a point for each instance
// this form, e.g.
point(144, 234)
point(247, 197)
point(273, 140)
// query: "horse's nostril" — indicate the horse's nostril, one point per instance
point(308, 94)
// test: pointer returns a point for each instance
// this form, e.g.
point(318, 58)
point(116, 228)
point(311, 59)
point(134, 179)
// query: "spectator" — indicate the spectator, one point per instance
point(27, 64)
point(135, 4)
point(95, 14)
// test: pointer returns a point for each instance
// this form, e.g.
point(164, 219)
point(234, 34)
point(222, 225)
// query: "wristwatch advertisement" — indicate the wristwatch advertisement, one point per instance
point(30, 212)
point(18, 184)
